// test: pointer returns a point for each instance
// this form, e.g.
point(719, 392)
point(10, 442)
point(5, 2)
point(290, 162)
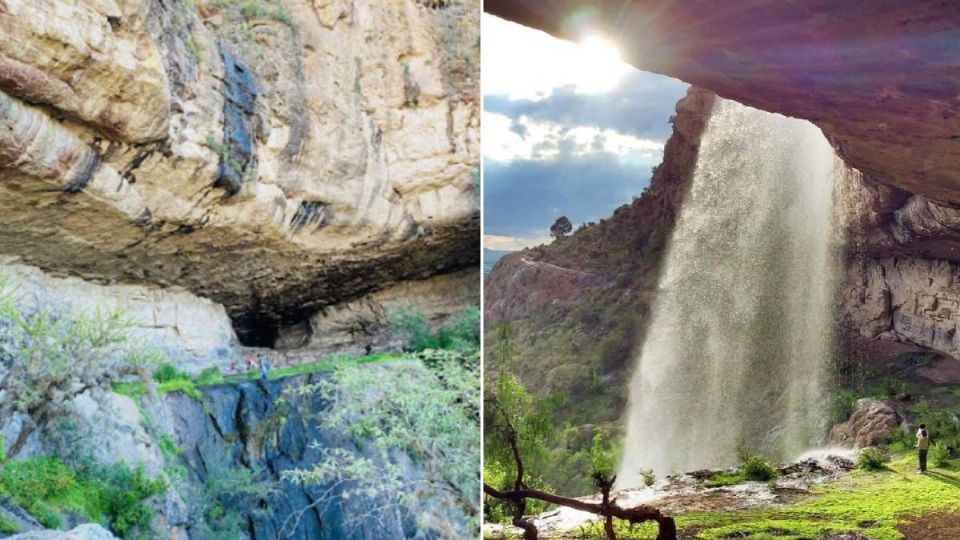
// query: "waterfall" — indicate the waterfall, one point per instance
point(737, 350)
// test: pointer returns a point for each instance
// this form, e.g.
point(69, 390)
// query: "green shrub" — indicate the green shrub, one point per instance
point(939, 454)
point(901, 441)
point(758, 469)
point(168, 372)
point(3, 450)
point(461, 332)
point(412, 326)
point(124, 491)
point(603, 457)
point(752, 467)
point(211, 375)
point(168, 446)
point(45, 486)
point(873, 458)
point(180, 385)
point(648, 477)
point(841, 406)
point(115, 494)
point(7, 527)
point(891, 387)
point(464, 329)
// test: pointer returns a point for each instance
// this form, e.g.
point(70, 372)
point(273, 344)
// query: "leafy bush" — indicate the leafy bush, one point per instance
point(413, 327)
point(54, 349)
point(842, 404)
point(214, 503)
point(942, 424)
point(873, 458)
point(6, 527)
point(464, 330)
point(891, 387)
point(429, 414)
point(47, 488)
point(758, 469)
point(901, 441)
point(648, 477)
point(124, 491)
point(752, 467)
point(3, 450)
point(168, 372)
point(603, 457)
point(211, 375)
point(939, 454)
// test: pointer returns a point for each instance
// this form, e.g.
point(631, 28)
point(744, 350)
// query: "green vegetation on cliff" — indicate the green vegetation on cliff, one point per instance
point(114, 495)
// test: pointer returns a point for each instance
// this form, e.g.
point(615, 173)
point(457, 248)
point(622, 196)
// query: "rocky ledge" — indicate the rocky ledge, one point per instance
point(276, 157)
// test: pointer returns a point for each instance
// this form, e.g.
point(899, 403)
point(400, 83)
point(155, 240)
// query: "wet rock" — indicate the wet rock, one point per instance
point(870, 424)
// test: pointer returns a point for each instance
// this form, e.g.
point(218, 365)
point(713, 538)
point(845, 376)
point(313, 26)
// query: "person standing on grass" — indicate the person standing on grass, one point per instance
point(923, 443)
point(264, 368)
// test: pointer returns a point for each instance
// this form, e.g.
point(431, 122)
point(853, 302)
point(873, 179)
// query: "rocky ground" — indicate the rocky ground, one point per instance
point(819, 497)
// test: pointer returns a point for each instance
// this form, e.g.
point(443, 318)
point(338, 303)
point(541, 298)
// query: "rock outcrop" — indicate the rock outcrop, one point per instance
point(88, 531)
point(870, 424)
point(276, 157)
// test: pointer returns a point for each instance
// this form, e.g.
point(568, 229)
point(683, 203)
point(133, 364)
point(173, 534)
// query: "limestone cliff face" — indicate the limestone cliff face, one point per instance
point(274, 157)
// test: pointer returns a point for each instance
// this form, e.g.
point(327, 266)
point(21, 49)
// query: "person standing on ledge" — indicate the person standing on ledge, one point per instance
point(923, 443)
point(264, 368)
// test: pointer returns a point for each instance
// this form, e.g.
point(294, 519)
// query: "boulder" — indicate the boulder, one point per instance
point(87, 531)
point(869, 425)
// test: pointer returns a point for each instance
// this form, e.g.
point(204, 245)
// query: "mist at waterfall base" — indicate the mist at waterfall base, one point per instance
point(737, 351)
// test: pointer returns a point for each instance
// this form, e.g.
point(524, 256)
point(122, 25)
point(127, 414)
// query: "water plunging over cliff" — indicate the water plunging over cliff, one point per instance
point(737, 349)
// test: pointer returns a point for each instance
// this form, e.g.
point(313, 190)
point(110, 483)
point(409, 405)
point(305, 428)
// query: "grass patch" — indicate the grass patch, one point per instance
point(180, 385)
point(326, 365)
point(133, 390)
point(873, 503)
point(8, 527)
point(171, 380)
point(754, 468)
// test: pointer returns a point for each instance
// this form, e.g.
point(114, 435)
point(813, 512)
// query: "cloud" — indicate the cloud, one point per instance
point(523, 198)
point(512, 243)
point(640, 105)
point(523, 139)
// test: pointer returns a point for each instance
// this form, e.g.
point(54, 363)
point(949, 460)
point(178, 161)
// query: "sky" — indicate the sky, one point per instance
point(568, 129)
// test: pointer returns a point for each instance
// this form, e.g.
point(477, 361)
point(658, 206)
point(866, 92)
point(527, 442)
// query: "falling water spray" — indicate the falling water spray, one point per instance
point(740, 339)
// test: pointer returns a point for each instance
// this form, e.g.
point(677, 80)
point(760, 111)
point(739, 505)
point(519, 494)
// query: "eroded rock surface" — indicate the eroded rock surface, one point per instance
point(870, 424)
point(87, 531)
point(276, 160)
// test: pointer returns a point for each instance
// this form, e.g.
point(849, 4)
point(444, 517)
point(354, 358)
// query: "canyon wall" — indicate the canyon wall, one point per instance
point(274, 157)
point(880, 81)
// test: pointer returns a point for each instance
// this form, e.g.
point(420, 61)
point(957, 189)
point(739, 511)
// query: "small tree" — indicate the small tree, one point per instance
point(561, 227)
point(426, 410)
point(53, 356)
point(513, 434)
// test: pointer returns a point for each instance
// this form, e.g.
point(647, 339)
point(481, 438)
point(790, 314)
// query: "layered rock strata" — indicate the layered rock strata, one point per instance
point(274, 157)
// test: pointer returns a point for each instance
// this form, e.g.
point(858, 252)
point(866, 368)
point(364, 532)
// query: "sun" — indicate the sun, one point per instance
point(598, 65)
